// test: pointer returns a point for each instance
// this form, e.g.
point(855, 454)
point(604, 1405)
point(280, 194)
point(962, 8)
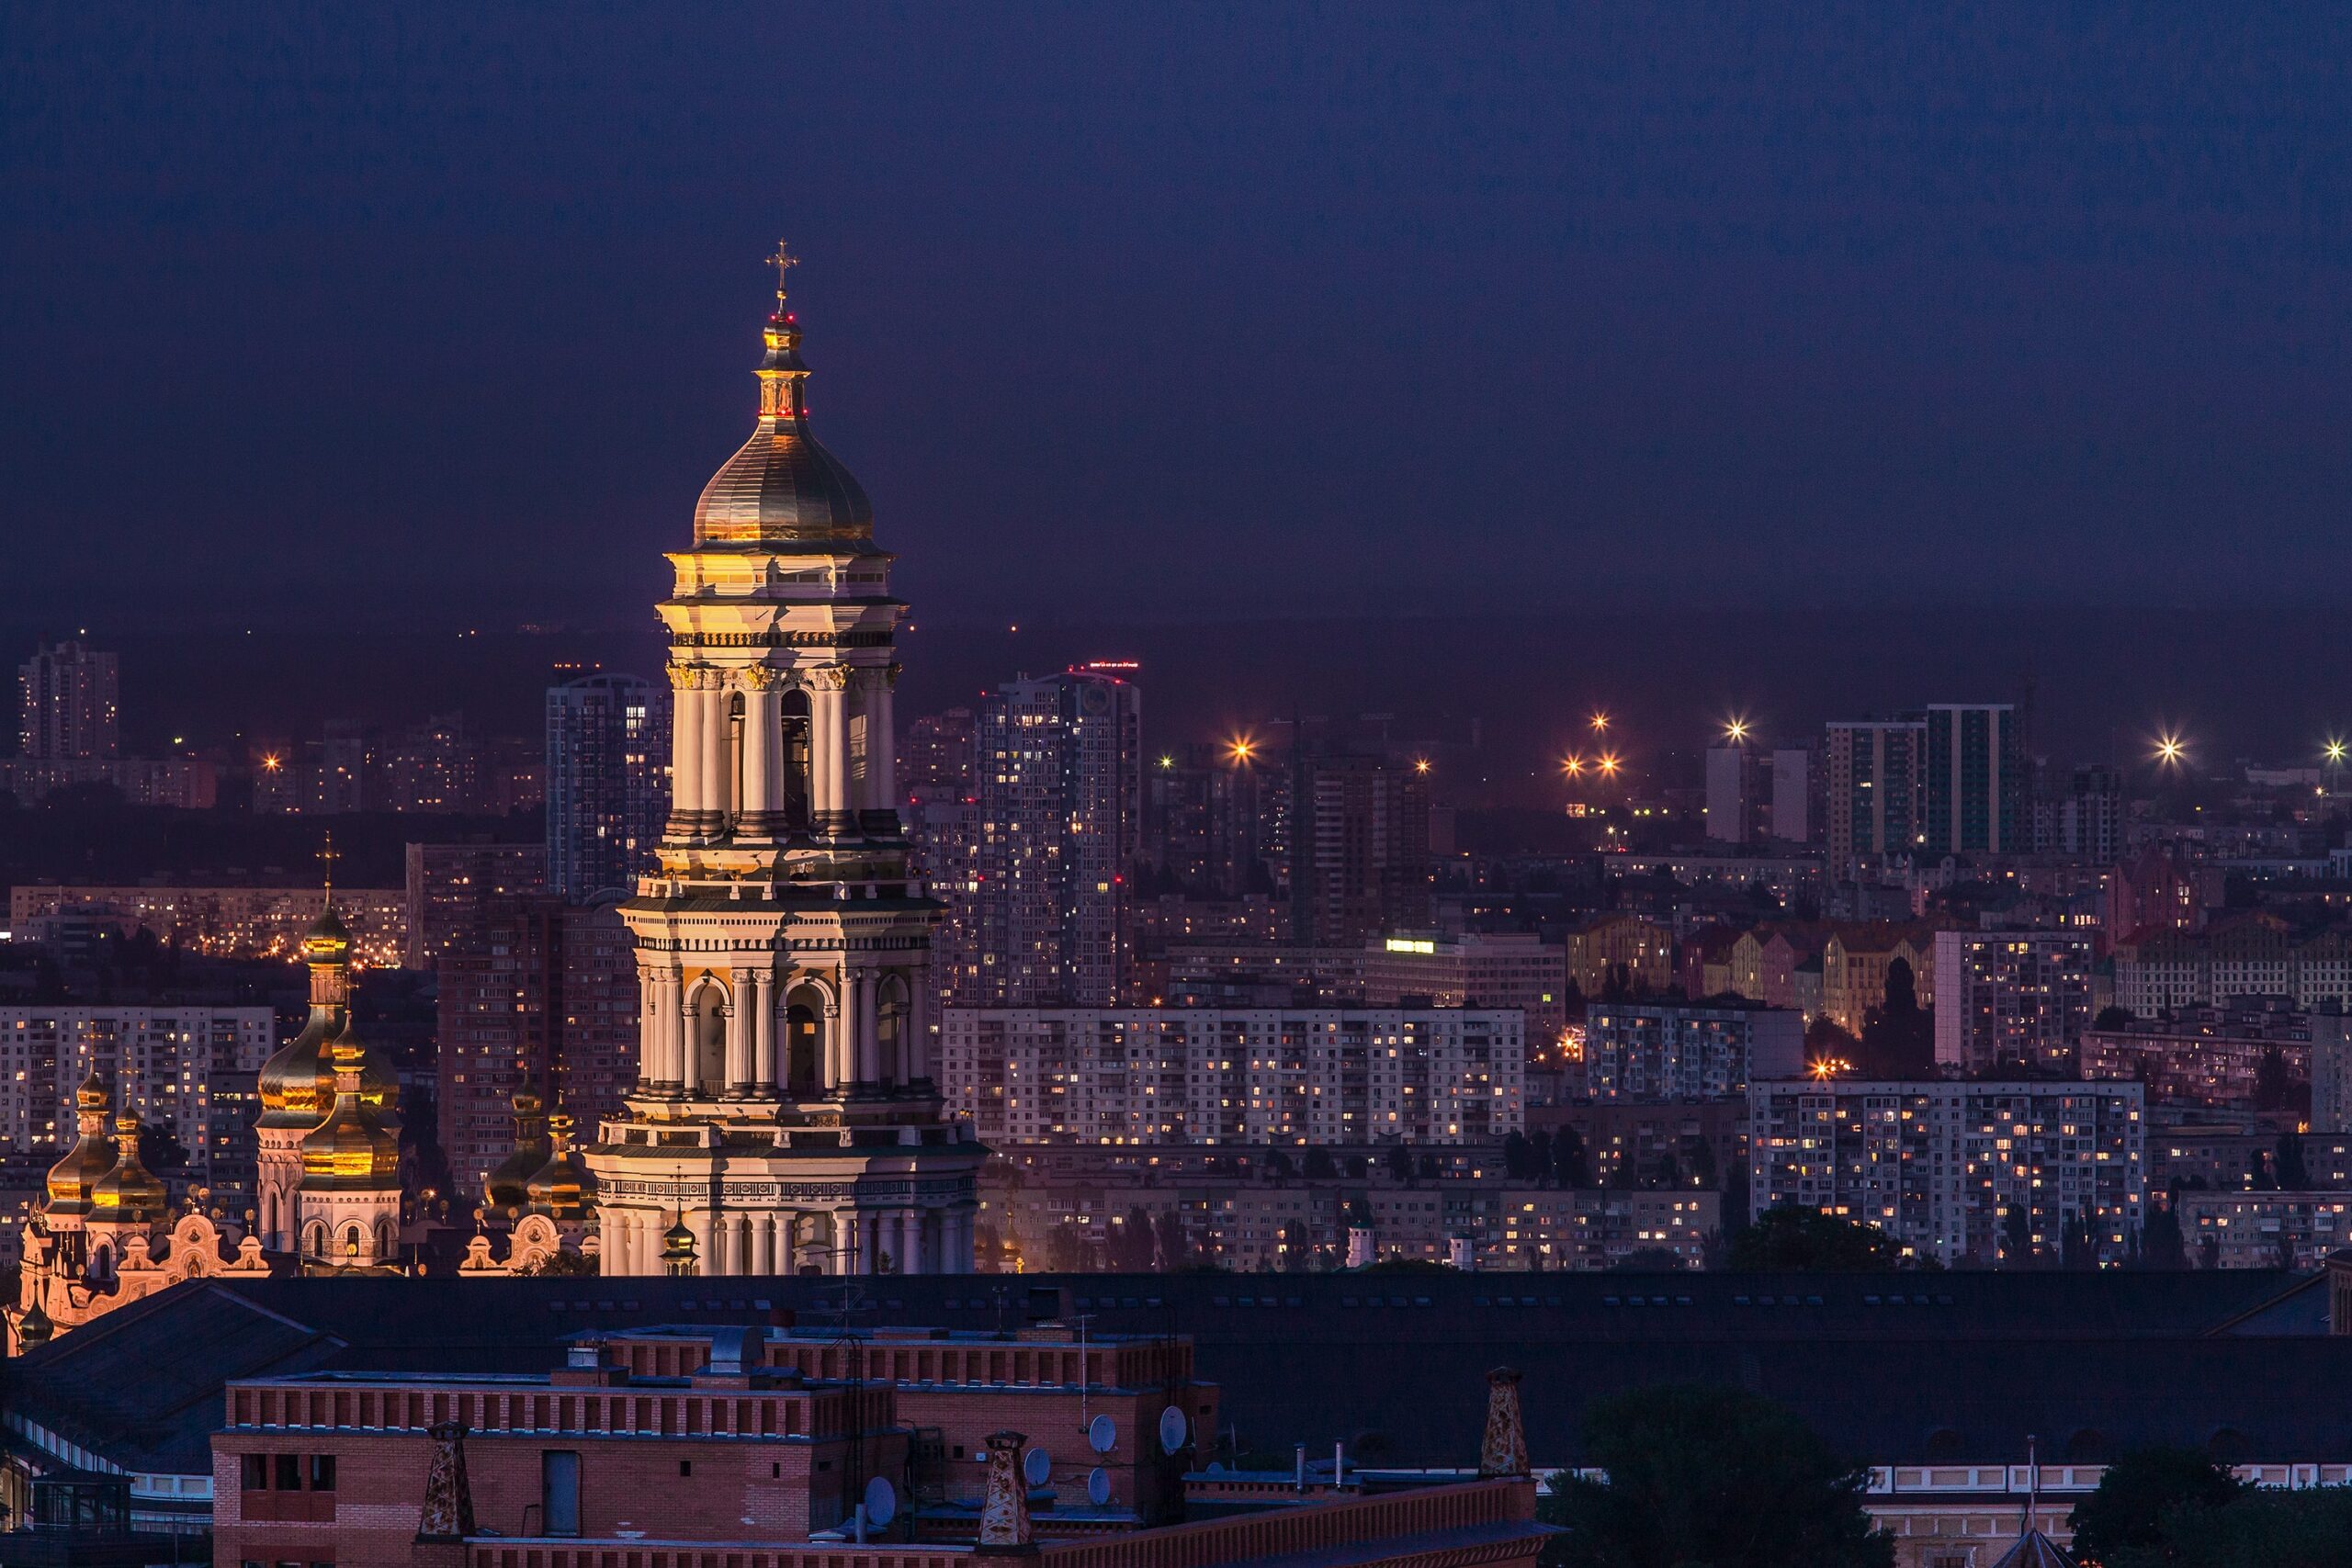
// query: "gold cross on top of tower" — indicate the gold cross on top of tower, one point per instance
point(327, 857)
point(783, 261)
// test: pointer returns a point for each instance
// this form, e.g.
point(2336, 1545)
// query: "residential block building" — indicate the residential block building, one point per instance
point(1233, 1075)
point(2011, 997)
point(1652, 1051)
point(1938, 1166)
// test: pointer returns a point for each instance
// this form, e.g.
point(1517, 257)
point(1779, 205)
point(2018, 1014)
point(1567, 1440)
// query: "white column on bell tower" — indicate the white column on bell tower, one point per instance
point(685, 753)
point(828, 755)
point(881, 742)
point(762, 759)
point(718, 755)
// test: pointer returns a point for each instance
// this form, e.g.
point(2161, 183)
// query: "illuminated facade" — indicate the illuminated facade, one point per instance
point(329, 1134)
point(1939, 1166)
point(222, 923)
point(1333, 1076)
point(784, 1117)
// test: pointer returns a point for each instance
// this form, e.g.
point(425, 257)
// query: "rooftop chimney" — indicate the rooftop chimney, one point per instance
point(448, 1501)
point(1503, 1452)
point(1004, 1514)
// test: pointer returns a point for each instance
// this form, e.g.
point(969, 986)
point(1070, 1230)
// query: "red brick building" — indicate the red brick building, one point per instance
point(694, 1434)
point(731, 1448)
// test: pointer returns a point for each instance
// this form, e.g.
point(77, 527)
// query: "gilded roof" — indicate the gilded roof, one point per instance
point(560, 1188)
point(72, 1178)
point(129, 1192)
point(358, 1146)
point(782, 484)
point(508, 1184)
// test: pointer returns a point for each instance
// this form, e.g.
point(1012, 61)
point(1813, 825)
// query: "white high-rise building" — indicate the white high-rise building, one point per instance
point(1274, 1076)
point(783, 1119)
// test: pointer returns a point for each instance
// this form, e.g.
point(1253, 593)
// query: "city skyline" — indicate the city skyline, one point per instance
point(1630, 703)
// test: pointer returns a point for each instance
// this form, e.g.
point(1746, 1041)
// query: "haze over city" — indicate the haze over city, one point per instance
point(1303, 786)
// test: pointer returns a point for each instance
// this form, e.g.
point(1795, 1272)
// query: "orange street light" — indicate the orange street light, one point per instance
point(1572, 765)
point(1609, 765)
point(1420, 764)
point(1600, 723)
point(1735, 730)
point(2169, 750)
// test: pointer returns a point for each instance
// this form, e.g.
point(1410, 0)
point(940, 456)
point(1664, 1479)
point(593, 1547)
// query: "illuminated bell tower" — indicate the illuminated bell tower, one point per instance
point(784, 1114)
point(298, 1081)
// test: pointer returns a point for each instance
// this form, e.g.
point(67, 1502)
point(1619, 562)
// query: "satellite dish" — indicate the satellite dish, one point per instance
point(1102, 1434)
point(1037, 1466)
point(1098, 1486)
point(1171, 1429)
point(881, 1502)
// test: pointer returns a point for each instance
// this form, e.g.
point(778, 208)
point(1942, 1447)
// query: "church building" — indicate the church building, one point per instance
point(784, 1118)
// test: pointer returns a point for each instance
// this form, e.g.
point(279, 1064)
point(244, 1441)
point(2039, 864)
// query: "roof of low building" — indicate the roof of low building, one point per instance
point(1968, 1364)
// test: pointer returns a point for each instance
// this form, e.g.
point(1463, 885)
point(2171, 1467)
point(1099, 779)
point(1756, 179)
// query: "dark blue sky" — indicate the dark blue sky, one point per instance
point(1173, 312)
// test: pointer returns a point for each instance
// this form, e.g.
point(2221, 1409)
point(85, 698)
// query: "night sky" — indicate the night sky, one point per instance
point(1134, 314)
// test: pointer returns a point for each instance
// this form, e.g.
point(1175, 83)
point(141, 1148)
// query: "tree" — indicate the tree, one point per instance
point(2112, 1017)
point(1297, 1248)
point(1175, 1247)
point(1710, 1475)
point(1430, 1168)
point(1279, 1167)
point(1575, 1167)
point(1792, 1238)
point(2140, 1498)
point(1400, 1162)
point(1899, 1037)
point(1700, 1152)
point(558, 1264)
point(2078, 1247)
point(2016, 1238)
point(2261, 1528)
point(1066, 1251)
point(2270, 1083)
point(1131, 1244)
point(2294, 1176)
point(1667, 1174)
point(1320, 1166)
point(2161, 1245)
point(1515, 1156)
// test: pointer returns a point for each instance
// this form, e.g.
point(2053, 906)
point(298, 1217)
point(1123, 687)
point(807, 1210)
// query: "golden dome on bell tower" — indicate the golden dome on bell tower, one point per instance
point(781, 485)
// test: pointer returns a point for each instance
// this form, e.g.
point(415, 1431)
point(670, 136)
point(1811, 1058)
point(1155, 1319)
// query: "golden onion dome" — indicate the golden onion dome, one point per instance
point(296, 1085)
point(507, 1187)
point(357, 1147)
point(328, 940)
point(781, 484)
point(129, 1194)
point(560, 1188)
point(72, 1178)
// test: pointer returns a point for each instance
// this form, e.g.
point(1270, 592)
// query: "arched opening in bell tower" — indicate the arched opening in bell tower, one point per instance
point(804, 1042)
point(794, 722)
point(706, 1037)
point(891, 1014)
